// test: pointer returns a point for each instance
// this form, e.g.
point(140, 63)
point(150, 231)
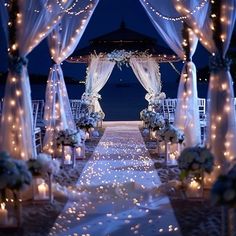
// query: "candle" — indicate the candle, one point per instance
point(79, 151)
point(42, 189)
point(172, 159)
point(194, 185)
point(3, 214)
point(68, 159)
point(153, 134)
point(87, 135)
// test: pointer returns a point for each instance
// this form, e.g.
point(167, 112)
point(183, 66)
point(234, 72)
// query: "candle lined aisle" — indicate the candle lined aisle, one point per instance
point(118, 191)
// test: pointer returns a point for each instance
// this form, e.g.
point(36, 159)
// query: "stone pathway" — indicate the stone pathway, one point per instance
point(117, 191)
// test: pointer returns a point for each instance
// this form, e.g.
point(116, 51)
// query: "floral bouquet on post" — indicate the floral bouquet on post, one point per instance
point(170, 134)
point(86, 122)
point(195, 160)
point(223, 191)
point(14, 175)
point(68, 138)
point(97, 116)
point(43, 164)
point(146, 115)
point(156, 122)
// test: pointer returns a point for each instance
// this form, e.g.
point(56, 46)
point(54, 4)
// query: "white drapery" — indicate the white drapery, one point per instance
point(34, 21)
point(98, 72)
point(187, 114)
point(147, 71)
point(62, 42)
point(221, 135)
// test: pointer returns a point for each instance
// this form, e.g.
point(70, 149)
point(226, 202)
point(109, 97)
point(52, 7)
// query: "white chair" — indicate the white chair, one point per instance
point(171, 104)
point(39, 118)
point(78, 108)
point(37, 130)
point(202, 116)
point(168, 109)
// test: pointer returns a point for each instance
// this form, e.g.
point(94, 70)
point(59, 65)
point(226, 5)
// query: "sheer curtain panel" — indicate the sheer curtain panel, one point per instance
point(62, 42)
point(165, 19)
point(98, 72)
point(147, 71)
point(215, 35)
point(31, 21)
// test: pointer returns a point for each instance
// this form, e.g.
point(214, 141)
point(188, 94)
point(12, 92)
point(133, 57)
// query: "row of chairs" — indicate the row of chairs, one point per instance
point(168, 108)
point(78, 108)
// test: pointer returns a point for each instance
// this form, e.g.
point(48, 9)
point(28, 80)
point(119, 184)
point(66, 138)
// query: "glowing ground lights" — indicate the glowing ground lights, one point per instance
point(117, 192)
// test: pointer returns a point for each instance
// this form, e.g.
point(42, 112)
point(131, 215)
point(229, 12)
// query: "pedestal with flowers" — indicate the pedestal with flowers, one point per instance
point(194, 162)
point(223, 193)
point(151, 121)
point(14, 177)
point(172, 139)
point(69, 141)
point(86, 123)
point(42, 169)
point(98, 117)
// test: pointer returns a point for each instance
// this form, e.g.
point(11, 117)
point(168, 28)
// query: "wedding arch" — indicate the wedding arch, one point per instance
point(123, 47)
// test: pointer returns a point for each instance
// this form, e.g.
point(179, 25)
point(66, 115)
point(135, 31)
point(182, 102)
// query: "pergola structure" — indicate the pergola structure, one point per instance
point(123, 39)
point(123, 47)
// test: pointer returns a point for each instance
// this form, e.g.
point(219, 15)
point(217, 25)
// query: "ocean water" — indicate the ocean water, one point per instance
point(118, 102)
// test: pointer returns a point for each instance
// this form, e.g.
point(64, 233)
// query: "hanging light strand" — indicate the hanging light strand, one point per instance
point(174, 68)
point(70, 11)
point(178, 18)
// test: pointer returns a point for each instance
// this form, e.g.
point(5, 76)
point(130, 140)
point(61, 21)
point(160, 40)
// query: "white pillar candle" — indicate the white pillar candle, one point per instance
point(87, 135)
point(68, 159)
point(172, 159)
point(79, 151)
point(42, 190)
point(3, 214)
point(194, 185)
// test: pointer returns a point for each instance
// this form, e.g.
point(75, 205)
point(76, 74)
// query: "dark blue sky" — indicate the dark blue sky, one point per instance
point(106, 18)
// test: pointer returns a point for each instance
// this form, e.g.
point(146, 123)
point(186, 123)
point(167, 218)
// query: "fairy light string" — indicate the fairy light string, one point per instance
point(70, 10)
point(177, 18)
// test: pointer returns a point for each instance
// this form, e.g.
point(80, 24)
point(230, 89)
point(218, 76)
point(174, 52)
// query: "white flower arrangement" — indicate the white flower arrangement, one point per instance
point(86, 122)
point(44, 164)
point(162, 96)
point(195, 160)
point(82, 134)
point(155, 99)
point(97, 116)
point(14, 174)
point(145, 115)
point(152, 120)
point(68, 138)
point(121, 57)
point(170, 134)
point(223, 191)
point(156, 122)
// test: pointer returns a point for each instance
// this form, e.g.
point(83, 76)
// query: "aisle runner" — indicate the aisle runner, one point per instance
point(118, 191)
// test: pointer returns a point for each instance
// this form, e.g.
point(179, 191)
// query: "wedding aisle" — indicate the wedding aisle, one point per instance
point(117, 191)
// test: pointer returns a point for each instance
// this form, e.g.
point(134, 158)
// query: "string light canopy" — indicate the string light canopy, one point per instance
point(179, 7)
point(81, 9)
point(127, 40)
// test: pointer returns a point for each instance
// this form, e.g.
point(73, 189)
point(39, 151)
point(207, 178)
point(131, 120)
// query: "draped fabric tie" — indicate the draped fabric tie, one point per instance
point(90, 98)
point(154, 98)
point(16, 63)
point(218, 63)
